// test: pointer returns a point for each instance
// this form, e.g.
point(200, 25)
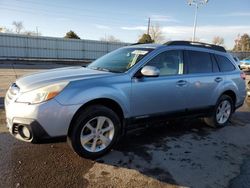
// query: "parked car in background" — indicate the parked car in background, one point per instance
point(139, 84)
point(245, 64)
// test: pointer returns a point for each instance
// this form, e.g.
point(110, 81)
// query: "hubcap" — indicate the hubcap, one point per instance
point(223, 112)
point(97, 134)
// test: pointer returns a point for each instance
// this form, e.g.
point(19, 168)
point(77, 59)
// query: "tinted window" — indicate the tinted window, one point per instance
point(199, 62)
point(224, 63)
point(169, 62)
point(215, 65)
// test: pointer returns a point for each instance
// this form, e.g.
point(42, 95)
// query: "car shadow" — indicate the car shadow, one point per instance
point(138, 148)
point(152, 149)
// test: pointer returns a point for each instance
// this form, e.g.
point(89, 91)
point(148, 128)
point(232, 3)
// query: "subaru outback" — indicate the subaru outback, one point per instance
point(94, 105)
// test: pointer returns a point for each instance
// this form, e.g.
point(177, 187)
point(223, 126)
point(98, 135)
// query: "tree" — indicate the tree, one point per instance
point(156, 33)
point(110, 38)
point(218, 40)
point(145, 38)
point(242, 43)
point(31, 33)
point(18, 26)
point(19, 29)
point(71, 35)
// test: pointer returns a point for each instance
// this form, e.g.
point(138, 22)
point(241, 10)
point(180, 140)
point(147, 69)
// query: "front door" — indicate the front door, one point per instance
point(162, 94)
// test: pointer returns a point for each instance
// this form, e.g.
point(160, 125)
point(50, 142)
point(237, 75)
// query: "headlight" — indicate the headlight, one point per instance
point(42, 94)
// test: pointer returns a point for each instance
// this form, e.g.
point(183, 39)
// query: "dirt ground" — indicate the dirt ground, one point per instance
point(184, 153)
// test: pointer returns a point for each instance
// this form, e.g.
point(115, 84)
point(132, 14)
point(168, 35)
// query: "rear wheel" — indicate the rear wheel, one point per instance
point(222, 112)
point(95, 131)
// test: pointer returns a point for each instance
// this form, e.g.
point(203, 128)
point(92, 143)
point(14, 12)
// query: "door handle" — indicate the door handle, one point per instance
point(218, 79)
point(181, 83)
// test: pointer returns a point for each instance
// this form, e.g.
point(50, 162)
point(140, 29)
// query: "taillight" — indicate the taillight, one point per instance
point(243, 75)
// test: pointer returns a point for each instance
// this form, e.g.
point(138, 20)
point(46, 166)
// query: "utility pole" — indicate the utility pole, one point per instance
point(148, 25)
point(196, 3)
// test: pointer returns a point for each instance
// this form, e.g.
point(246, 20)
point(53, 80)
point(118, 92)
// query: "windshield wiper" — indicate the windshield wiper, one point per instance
point(100, 69)
point(104, 69)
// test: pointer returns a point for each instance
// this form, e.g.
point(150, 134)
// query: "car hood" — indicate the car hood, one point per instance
point(44, 78)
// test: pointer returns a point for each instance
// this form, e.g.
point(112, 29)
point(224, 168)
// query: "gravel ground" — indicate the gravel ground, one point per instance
point(184, 153)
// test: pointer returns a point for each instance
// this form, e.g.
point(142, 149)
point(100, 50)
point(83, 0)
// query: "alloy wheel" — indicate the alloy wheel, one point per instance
point(223, 111)
point(97, 134)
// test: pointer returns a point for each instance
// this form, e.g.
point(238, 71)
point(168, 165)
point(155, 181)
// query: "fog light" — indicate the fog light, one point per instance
point(24, 132)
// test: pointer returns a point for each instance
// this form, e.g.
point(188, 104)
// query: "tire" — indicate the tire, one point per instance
point(87, 132)
point(214, 120)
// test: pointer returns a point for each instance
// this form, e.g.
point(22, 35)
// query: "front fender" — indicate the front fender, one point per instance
point(81, 93)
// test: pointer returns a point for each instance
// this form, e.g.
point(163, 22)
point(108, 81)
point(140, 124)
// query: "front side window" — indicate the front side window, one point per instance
point(169, 62)
point(199, 62)
point(120, 60)
point(224, 63)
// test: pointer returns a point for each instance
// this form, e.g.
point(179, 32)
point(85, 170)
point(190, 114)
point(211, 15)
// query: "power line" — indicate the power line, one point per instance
point(75, 8)
point(59, 13)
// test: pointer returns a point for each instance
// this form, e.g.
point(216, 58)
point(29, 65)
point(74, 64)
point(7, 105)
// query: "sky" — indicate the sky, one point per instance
point(127, 19)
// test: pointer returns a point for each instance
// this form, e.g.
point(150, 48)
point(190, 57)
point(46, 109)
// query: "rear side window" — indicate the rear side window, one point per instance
point(199, 62)
point(224, 63)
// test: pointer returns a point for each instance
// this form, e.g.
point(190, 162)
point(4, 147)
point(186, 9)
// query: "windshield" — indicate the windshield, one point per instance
point(119, 60)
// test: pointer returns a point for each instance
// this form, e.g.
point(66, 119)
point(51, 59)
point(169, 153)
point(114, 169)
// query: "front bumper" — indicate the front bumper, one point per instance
point(28, 130)
point(41, 121)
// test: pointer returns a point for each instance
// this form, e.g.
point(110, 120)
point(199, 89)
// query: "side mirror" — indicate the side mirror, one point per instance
point(150, 71)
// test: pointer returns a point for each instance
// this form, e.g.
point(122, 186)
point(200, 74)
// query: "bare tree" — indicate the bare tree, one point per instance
point(31, 33)
point(110, 38)
point(218, 40)
point(156, 33)
point(18, 26)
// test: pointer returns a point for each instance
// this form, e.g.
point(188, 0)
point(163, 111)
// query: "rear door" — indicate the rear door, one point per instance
point(203, 77)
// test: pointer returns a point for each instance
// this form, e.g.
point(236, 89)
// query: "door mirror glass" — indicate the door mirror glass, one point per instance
point(150, 71)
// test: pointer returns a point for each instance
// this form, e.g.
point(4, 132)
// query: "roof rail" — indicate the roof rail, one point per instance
point(198, 44)
point(135, 43)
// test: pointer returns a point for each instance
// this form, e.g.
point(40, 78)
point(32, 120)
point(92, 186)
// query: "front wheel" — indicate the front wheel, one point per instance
point(95, 131)
point(222, 112)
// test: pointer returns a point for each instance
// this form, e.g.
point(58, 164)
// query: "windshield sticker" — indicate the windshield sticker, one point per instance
point(139, 52)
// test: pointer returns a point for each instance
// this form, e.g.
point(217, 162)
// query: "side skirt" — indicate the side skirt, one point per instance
point(144, 120)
